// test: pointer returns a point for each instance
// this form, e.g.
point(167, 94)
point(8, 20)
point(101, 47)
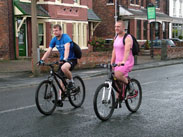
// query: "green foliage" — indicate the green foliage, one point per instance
point(99, 44)
point(147, 45)
point(180, 37)
point(174, 33)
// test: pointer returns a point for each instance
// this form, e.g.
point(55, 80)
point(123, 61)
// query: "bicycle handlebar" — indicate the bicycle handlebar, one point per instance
point(49, 64)
point(115, 65)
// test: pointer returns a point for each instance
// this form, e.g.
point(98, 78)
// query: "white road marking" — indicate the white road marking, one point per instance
point(15, 109)
point(146, 83)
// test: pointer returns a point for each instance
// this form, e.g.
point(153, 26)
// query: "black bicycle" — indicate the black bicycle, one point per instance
point(46, 92)
point(104, 99)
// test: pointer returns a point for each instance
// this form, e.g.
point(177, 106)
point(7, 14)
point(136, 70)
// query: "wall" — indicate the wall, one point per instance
point(176, 52)
point(88, 60)
point(106, 14)
point(7, 50)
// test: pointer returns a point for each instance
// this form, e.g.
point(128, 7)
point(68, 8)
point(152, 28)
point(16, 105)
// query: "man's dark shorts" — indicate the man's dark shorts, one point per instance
point(72, 62)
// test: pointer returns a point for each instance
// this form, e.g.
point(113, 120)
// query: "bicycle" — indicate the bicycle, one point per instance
point(104, 98)
point(46, 91)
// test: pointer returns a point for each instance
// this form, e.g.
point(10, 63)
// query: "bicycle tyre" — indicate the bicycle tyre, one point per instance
point(128, 102)
point(77, 97)
point(48, 96)
point(109, 105)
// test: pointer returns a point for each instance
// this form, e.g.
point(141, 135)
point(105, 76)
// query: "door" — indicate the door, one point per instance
point(22, 41)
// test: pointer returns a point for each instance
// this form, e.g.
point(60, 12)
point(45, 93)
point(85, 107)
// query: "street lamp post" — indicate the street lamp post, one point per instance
point(151, 14)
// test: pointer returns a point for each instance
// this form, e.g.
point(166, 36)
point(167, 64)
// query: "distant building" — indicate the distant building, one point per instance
point(76, 17)
point(176, 12)
point(134, 13)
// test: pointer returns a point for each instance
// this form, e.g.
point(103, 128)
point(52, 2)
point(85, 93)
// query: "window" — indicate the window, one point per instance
point(157, 3)
point(132, 1)
point(145, 30)
point(138, 29)
point(77, 1)
point(59, 1)
point(41, 34)
point(174, 10)
point(110, 1)
point(142, 3)
point(180, 9)
point(137, 2)
point(80, 34)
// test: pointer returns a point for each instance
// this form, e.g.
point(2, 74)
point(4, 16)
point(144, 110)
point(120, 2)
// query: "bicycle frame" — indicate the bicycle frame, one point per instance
point(120, 88)
point(55, 77)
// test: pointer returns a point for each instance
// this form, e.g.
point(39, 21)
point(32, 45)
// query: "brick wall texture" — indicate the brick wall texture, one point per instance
point(6, 30)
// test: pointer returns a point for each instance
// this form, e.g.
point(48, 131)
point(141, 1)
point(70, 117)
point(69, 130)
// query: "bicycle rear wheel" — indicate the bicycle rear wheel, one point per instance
point(103, 107)
point(133, 101)
point(45, 94)
point(77, 96)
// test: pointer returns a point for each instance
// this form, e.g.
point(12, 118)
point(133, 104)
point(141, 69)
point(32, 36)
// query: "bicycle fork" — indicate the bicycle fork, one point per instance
point(109, 93)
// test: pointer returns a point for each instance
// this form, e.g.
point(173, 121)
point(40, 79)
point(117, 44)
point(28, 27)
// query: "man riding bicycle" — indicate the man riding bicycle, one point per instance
point(122, 54)
point(67, 56)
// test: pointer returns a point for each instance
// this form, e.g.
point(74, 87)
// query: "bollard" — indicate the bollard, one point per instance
point(163, 50)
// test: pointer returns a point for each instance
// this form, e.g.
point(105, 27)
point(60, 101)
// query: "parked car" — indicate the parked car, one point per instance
point(176, 40)
point(158, 43)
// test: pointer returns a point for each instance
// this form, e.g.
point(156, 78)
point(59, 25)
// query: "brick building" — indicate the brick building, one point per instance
point(75, 16)
point(134, 13)
point(7, 50)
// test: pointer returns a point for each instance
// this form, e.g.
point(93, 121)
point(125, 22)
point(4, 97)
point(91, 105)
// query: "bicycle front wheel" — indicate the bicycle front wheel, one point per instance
point(103, 102)
point(77, 96)
point(133, 100)
point(45, 94)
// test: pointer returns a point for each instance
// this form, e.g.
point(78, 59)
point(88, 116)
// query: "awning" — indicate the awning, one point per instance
point(24, 9)
point(92, 17)
point(141, 14)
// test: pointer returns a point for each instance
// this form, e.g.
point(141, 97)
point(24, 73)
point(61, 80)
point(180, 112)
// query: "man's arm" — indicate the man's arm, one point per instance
point(47, 54)
point(113, 56)
point(67, 49)
point(128, 46)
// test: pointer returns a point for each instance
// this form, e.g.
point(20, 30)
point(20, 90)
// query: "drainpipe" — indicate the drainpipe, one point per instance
point(116, 6)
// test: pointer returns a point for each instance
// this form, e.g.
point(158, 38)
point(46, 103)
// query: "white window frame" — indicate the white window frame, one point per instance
point(174, 9)
point(80, 34)
point(44, 35)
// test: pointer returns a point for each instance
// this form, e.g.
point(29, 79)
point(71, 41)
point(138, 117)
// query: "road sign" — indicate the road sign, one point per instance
point(151, 12)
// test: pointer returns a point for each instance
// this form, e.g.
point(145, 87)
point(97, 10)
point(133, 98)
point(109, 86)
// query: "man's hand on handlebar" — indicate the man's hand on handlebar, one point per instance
point(120, 63)
point(63, 61)
point(41, 62)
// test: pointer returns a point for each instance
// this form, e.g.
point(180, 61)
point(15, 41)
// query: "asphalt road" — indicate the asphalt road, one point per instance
point(160, 114)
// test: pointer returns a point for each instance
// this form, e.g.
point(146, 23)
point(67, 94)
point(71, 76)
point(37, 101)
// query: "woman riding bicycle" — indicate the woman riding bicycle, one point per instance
point(67, 56)
point(122, 54)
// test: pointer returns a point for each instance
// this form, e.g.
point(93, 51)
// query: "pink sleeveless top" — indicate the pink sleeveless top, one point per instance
point(119, 54)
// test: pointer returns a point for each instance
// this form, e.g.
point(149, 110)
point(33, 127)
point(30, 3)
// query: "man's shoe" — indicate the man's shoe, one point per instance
point(59, 103)
point(63, 95)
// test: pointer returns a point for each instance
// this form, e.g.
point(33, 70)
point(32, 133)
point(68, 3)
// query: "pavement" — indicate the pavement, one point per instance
point(17, 73)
